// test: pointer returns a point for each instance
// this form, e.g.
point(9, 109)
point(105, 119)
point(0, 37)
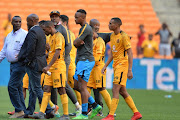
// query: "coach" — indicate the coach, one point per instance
point(32, 55)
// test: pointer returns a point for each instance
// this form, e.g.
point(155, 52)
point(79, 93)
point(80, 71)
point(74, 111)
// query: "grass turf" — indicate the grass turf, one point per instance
point(151, 103)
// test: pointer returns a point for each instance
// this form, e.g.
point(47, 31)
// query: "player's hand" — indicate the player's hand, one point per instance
point(130, 74)
point(103, 70)
point(82, 42)
point(45, 69)
point(47, 46)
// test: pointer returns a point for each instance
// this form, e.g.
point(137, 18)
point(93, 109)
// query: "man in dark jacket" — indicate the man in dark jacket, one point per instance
point(32, 55)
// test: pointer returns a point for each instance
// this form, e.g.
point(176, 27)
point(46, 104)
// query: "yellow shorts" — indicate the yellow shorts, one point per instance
point(96, 79)
point(71, 73)
point(120, 75)
point(26, 81)
point(57, 79)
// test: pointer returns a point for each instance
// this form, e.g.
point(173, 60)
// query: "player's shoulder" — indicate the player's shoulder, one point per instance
point(58, 34)
point(87, 27)
point(100, 40)
point(124, 34)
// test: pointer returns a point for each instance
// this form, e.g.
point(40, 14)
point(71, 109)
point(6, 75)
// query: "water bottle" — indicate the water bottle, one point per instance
point(168, 96)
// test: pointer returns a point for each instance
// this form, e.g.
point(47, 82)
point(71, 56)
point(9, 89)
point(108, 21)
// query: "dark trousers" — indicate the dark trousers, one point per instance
point(35, 90)
point(17, 72)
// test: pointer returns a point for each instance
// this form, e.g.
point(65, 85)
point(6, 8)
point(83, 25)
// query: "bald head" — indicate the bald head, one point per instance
point(32, 20)
point(95, 24)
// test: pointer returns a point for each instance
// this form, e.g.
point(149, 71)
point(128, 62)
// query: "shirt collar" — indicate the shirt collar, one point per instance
point(33, 26)
point(14, 33)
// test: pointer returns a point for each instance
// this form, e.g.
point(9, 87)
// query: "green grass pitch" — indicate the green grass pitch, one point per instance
point(151, 103)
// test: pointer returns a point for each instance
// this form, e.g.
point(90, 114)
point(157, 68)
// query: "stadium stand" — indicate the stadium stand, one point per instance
point(132, 13)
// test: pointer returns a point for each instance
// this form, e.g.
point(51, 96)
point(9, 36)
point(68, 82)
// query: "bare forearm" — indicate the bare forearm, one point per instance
point(130, 59)
point(55, 57)
point(110, 58)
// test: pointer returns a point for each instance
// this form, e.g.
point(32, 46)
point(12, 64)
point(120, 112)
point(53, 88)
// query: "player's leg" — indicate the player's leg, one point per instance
point(70, 81)
point(130, 103)
point(25, 85)
point(105, 94)
point(114, 102)
point(61, 84)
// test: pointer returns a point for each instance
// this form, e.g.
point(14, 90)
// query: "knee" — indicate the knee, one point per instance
point(46, 89)
point(61, 90)
point(124, 94)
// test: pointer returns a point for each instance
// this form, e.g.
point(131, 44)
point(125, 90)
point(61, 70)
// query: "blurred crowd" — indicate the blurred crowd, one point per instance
point(146, 47)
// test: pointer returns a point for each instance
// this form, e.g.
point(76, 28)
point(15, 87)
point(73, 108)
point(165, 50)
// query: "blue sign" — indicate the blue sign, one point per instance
point(151, 74)
point(147, 74)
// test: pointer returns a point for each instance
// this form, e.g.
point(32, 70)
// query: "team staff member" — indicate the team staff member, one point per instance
point(57, 68)
point(97, 80)
point(121, 53)
point(11, 48)
point(85, 63)
point(32, 55)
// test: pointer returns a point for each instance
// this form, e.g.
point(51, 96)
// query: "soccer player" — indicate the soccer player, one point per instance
point(57, 68)
point(55, 18)
point(121, 53)
point(84, 64)
point(71, 71)
point(96, 79)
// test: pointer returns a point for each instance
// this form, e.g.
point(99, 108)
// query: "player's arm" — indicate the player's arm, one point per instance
point(55, 57)
point(105, 36)
point(78, 42)
point(80, 39)
point(110, 58)
point(130, 62)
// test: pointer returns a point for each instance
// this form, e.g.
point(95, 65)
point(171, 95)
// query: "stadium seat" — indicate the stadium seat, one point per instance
point(132, 13)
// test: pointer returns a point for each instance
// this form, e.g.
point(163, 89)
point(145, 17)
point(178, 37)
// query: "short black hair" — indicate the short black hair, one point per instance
point(117, 20)
point(42, 22)
point(46, 23)
point(82, 11)
point(16, 17)
point(64, 18)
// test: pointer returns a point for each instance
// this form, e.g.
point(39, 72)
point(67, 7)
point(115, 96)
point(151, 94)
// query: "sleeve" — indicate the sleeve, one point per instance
point(126, 42)
point(31, 46)
point(58, 42)
point(66, 36)
point(3, 52)
point(85, 32)
point(105, 36)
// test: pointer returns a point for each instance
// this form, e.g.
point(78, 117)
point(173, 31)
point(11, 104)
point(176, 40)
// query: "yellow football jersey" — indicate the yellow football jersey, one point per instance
point(73, 51)
point(47, 42)
point(57, 42)
point(99, 50)
point(119, 44)
point(149, 48)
